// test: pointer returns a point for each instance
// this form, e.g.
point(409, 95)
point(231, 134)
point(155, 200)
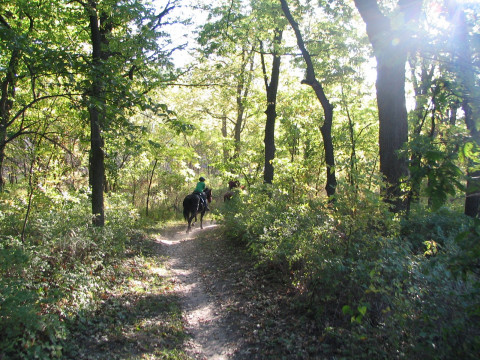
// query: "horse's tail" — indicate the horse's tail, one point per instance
point(190, 205)
point(186, 209)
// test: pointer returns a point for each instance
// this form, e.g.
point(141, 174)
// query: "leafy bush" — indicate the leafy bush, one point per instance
point(378, 285)
point(435, 228)
point(55, 270)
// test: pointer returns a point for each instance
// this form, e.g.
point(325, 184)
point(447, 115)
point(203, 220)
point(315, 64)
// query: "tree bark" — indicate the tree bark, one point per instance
point(224, 135)
point(463, 67)
point(150, 186)
point(326, 128)
point(243, 87)
point(390, 48)
point(7, 88)
point(472, 195)
point(97, 164)
point(271, 90)
point(421, 88)
point(353, 156)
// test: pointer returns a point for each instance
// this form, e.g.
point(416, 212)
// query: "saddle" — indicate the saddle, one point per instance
point(201, 197)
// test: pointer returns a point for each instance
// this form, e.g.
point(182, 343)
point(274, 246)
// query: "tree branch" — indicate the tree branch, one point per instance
point(34, 101)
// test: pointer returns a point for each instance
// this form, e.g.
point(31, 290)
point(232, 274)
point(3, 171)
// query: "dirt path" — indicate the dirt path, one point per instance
point(212, 335)
point(232, 309)
point(212, 290)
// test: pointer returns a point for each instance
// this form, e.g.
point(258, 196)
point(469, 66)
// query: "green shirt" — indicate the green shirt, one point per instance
point(200, 187)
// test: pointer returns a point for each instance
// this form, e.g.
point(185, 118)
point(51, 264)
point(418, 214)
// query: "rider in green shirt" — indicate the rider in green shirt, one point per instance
point(199, 190)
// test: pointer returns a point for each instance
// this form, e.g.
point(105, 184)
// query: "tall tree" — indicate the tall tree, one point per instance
point(271, 90)
point(100, 28)
point(389, 38)
point(463, 67)
point(312, 81)
point(243, 88)
point(227, 37)
point(125, 65)
point(8, 84)
point(30, 69)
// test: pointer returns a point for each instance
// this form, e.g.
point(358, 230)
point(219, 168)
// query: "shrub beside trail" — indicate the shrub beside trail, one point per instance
point(379, 285)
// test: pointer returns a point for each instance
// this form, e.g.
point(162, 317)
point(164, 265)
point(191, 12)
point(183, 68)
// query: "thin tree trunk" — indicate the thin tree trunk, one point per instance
point(326, 128)
point(31, 188)
point(353, 155)
point(7, 88)
point(150, 185)
point(421, 88)
point(243, 88)
point(463, 59)
point(134, 190)
point(3, 136)
point(472, 195)
point(452, 115)
point(32, 183)
point(271, 90)
point(224, 135)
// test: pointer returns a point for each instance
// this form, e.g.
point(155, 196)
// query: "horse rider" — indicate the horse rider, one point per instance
point(199, 191)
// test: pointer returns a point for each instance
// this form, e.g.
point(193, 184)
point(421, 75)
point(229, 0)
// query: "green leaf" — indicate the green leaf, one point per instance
point(347, 310)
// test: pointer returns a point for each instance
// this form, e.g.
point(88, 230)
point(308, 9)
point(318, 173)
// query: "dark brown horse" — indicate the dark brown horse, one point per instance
point(193, 205)
point(232, 185)
point(228, 195)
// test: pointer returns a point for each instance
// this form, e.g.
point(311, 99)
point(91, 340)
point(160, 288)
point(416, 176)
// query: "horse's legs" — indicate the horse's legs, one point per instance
point(201, 219)
point(189, 220)
point(190, 224)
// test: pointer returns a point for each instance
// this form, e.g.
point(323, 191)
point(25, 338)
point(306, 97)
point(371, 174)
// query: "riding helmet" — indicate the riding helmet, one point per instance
point(202, 178)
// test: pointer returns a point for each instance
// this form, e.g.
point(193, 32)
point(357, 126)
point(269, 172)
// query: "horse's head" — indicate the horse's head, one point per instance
point(233, 184)
point(208, 193)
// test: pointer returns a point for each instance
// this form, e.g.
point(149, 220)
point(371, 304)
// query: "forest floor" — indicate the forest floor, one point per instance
point(197, 296)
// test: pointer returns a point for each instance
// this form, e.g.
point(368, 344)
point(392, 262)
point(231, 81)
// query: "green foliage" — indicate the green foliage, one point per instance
point(56, 271)
point(379, 287)
point(470, 153)
point(438, 166)
point(466, 260)
point(433, 227)
point(136, 313)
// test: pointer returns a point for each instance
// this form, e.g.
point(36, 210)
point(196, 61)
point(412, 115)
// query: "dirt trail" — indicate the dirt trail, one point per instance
point(208, 321)
point(232, 309)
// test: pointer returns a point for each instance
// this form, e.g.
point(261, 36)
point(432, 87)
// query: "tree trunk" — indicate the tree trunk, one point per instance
point(391, 53)
point(393, 125)
point(472, 195)
point(326, 131)
point(463, 59)
point(97, 165)
point(271, 112)
point(353, 156)
point(224, 135)
point(3, 136)
point(7, 88)
point(421, 87)
point(326, 128)
point(150, 186)
point(243, 88)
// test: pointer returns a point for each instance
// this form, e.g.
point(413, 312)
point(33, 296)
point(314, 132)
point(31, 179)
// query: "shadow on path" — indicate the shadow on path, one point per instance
point(213, 335)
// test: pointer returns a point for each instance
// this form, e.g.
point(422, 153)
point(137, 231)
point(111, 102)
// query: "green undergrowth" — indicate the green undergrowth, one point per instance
point(377, 285)
point(71, 290)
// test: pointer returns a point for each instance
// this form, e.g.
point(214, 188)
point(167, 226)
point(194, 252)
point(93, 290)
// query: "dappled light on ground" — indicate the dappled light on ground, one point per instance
point(210, 336)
